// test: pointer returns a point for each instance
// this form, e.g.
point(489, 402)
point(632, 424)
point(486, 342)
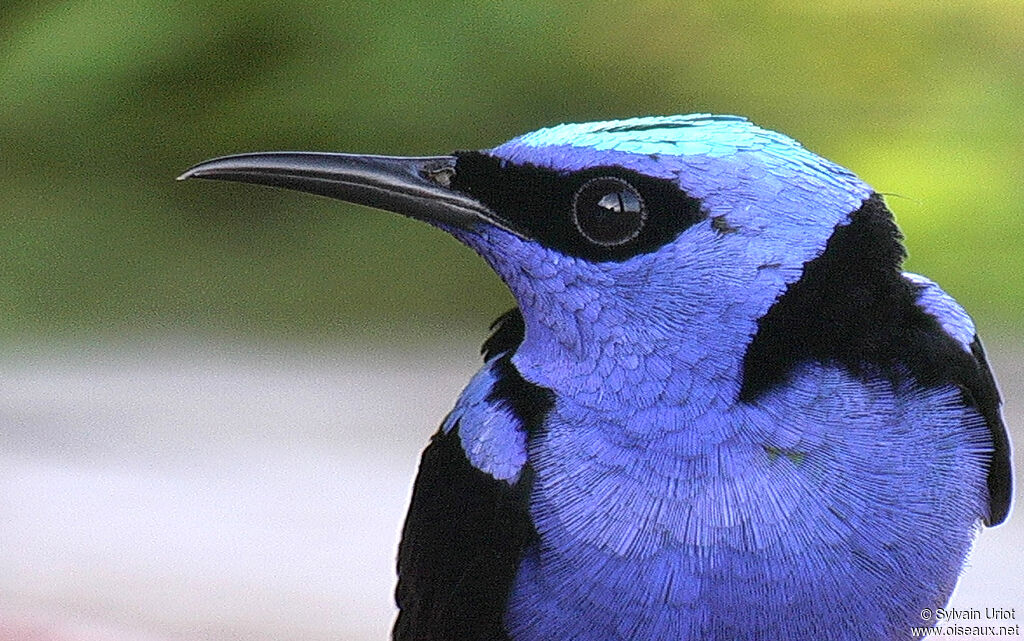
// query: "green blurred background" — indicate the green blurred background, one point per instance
point(103, 103)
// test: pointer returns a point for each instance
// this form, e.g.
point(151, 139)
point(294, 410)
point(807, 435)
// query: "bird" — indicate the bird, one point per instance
point(719, 410)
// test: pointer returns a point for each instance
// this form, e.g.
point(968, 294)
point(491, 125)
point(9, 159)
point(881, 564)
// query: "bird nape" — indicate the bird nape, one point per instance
point(719, 411)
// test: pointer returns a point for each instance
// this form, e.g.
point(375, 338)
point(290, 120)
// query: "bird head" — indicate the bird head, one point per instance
point(634, 248)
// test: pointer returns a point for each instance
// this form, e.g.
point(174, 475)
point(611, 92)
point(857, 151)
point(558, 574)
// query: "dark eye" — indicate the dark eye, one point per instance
point(608, 211)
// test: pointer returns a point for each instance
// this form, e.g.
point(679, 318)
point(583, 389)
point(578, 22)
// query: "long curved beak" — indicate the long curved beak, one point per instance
point(415, 187)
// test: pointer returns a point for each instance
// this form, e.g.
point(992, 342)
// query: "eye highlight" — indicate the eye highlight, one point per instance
point(608, 211)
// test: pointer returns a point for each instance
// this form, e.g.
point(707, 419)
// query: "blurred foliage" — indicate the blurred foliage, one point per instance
point(102, 103)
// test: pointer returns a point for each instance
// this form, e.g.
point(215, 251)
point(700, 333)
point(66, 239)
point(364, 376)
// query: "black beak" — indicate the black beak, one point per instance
point(415, 187)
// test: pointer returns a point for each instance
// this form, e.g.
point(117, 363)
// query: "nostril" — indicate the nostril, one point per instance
point(441, 174)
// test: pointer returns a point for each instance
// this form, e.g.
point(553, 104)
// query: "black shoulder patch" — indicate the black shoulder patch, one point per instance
point(529, 403)
point(465, 531)
point(507, 332)
point(850, 306)
point(853, 308)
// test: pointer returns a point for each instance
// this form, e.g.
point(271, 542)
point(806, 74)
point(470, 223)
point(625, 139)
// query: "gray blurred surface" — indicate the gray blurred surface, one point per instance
point(191, 490)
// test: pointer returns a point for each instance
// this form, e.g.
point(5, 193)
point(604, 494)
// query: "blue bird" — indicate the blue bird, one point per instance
point(719, 411)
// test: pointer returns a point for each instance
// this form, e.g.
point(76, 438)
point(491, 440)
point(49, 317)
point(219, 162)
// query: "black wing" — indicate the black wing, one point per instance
point(461, 544)
point(465, 531)
point(985, 395)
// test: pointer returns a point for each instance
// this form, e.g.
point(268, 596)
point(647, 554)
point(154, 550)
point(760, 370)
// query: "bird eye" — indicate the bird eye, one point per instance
point(608, 211)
